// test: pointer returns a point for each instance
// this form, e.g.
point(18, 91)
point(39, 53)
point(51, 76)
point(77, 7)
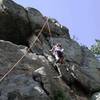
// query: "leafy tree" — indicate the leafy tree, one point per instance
point(96, 47)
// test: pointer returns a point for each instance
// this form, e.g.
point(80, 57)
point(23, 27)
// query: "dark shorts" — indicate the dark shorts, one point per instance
point(60, 54)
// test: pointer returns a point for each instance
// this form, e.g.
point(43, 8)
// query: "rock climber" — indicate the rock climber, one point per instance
point(57, 52)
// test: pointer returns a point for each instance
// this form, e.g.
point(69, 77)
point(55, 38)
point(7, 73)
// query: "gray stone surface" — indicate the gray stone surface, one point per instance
point(96, 96)
point(90, 67)
point(19, 83)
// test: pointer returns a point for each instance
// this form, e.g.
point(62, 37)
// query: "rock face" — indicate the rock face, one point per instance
point(96, 96)
point(34, 76)
point(90, 67)
point(20, 83)
point(14, 24)
point(17, 24)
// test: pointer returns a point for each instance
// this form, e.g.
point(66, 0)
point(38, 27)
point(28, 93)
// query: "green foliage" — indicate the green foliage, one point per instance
point(96, 48)
point(60, 95)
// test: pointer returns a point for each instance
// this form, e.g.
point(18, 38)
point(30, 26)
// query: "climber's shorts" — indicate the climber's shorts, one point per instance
point(60, 54)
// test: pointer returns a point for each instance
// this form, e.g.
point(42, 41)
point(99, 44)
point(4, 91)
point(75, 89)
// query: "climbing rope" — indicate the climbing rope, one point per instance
point(8, 72)
point(50, 32)
point(49, 29)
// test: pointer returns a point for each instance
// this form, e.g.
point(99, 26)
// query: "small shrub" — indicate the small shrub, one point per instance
point(60, 95)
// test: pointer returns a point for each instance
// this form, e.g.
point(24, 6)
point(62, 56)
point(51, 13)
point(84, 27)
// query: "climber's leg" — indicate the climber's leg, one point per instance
point(60, 75)
point(61, 60)
point(58, 70)
point(57, 58)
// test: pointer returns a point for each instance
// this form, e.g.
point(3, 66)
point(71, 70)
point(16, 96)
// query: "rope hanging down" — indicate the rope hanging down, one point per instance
point(25, 53)
point(49, 31)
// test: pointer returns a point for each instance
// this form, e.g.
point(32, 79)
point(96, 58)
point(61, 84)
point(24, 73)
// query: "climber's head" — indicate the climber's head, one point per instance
point(59, 44)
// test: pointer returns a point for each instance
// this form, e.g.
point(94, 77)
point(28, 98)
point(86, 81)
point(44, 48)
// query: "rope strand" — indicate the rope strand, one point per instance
point(49, 32)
